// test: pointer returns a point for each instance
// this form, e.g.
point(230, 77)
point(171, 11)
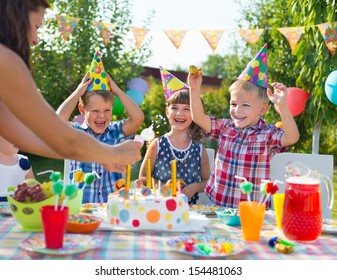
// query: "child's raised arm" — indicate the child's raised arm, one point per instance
point(67, 107)
point(197, 109)
point(279, 99)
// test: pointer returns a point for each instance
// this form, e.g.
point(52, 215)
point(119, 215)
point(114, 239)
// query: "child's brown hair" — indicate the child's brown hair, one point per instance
point(106, 94)
point(249, 87)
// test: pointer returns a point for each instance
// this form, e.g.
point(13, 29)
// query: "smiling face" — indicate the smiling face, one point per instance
point(97, 112)
point(246, 108)
point(35, 19)
point(179, 116)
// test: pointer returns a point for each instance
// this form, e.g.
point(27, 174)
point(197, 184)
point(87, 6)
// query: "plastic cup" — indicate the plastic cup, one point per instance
point(251, 217)
point(278, 200)
point(54, 224)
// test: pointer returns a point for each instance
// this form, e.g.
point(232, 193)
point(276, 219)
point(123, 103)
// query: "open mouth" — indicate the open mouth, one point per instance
point(100, 125)
point(179, 121)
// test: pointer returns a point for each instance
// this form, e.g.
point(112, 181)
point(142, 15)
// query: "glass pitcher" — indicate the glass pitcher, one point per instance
point(302, 210)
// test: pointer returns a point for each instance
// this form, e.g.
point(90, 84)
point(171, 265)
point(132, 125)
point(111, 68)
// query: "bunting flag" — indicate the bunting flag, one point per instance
point(66, 25)
point(105, 29)
point(176, 36)
point(329, 33)
point(293, 34)
point(139, 34)
point(212, 37)
point(252, 36)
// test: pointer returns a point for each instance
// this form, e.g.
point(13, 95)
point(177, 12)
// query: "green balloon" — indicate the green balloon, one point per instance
point(118, 107)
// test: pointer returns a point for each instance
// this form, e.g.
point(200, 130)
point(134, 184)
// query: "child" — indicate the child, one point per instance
point(95, 104)
point(245, 142)
point(180, 144)
point(14, 168)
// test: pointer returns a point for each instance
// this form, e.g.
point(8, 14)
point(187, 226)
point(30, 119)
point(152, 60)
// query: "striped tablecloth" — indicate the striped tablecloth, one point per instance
point(152, 245)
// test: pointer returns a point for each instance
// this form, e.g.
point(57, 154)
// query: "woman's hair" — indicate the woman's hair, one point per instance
point(249, 87)
point(106, 94)
point(15, 25)
point(183, 97)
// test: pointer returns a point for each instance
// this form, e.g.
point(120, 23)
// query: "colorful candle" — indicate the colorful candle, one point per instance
point(174, 177)
point(128, 177)
point(148, 174)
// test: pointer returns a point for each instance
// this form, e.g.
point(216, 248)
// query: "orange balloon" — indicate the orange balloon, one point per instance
point(279, 124)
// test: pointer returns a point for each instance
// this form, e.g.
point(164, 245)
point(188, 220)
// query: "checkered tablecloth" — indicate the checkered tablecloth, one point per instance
point(152, 245)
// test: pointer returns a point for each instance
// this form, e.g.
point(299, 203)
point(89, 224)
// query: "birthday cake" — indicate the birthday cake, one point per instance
point(146, 209)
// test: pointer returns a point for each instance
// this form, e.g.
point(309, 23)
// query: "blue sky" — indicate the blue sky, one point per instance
point(192, 15)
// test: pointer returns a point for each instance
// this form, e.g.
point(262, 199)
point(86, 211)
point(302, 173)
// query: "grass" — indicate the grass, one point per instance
point(42, 164)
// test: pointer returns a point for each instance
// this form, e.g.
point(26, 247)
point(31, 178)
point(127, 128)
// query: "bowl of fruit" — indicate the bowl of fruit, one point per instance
point(229, 216)
point(83, 223)
point(27, 198)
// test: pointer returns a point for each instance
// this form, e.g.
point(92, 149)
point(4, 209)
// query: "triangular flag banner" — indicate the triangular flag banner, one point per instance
point(105, 29)
point(97, 74)
point(252, 36)
point(139, 34)
point(212, 37)
point(176, 36)
point(171, 84)
point(329, 33)
point(293, 34)
point(256, 71)
point(66, 25)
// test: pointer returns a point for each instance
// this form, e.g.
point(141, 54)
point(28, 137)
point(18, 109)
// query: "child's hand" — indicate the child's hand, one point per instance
point(114, 88)
point(279, 97)
point(189, 190)
point(82, 87)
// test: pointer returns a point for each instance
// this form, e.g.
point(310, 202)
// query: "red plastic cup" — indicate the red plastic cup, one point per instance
point(54, 224)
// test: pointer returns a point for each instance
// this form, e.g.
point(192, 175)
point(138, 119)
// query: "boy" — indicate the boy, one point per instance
point(245, 142)
point(96, 97)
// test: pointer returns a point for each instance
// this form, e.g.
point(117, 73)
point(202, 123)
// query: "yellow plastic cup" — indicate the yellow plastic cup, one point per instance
point(278, 200)
point(251, 217)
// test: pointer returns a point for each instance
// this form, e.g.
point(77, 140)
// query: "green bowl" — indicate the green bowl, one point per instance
point(28, 214)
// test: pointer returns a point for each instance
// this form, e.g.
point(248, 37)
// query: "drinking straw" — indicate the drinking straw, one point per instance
point(246, 187)
point(69, 191)
point(263, 187)
point(174, 177)
point(89, 178)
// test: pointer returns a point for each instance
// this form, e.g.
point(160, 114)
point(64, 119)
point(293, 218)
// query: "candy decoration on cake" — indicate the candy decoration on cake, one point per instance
point(138, 184)
point(174, 177)
point(165, 191)
point(121, 183)
point(246, 187)
point(146, 191)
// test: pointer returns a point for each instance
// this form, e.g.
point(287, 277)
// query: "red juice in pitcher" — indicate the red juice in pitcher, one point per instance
point(302, 212)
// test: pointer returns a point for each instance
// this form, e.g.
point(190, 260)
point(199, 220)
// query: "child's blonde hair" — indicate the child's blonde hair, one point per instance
point(106, 94)
point(249, 87)
point(183, 97)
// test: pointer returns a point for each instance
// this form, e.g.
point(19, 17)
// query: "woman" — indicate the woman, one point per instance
point(26, 119)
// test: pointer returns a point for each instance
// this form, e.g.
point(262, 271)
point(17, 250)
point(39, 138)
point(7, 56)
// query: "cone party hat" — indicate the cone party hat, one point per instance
point(256, 72)
point(171, 84)
point(98, 74)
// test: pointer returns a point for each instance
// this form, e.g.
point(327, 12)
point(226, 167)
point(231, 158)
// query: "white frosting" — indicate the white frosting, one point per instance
point(150, 212)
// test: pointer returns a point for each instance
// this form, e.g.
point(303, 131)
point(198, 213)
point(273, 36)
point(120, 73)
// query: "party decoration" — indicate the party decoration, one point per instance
point(193, 70)
point(256, 71)
point(105, 29)
point(293, 34)
point(118, 107)
point(138, 84)
point(136, 96)
point(69, 192)
point(66, 25)
point(97, 74)
point(246, 187)
point(251, 35)
point(329, 33)
point(212, 37)
point(279, 124)
point(331, 87)
point(296, 100)
point(139, 34)
point(171, 84)
point(176, 36)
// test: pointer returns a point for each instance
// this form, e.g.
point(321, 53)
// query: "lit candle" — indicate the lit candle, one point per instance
point(174, 177)
point(148, 174)
point(128, 177)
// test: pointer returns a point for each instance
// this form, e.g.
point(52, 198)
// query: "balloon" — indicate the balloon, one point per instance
point(138, 84)
point(136, 96)
point(296, 100)
point(79, 119)
point(118, 107)
point(331, 87)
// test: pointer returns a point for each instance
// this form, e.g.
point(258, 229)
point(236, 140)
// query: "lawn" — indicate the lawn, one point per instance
point(42, 164)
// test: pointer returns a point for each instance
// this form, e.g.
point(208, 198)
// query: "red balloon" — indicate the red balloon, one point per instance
point(296, 100)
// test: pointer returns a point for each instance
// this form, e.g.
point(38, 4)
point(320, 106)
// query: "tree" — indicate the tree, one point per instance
point(59, 65)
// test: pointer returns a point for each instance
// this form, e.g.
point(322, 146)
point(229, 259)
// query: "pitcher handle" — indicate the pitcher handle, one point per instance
point(328, 186)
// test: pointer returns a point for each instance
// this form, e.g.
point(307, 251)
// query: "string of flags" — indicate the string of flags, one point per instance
point(67, 24)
